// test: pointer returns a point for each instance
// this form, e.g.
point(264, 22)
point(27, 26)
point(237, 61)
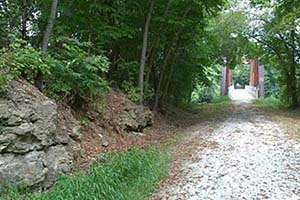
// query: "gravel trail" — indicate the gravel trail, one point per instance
point(254, 159)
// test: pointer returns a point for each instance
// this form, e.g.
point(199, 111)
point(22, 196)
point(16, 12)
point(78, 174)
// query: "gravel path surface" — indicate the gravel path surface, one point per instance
point(253, 159)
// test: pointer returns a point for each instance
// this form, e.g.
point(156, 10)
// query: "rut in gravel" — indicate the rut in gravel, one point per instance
point(253, 159)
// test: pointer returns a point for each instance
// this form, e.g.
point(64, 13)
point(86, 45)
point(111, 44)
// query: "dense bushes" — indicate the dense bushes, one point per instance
point(77, 76)
point(22, 59)
point(271, 102)
point(272, 88)
point(240, 75)
point(71, 74)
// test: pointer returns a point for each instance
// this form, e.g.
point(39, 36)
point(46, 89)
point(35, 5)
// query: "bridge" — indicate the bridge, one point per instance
point(254, 90)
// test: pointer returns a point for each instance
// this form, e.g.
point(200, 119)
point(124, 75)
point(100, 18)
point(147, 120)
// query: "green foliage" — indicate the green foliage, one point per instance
point(116, 33)
point(130, 175)
point(70, 73)
point(277, 35)
point(216, 108)
point(271, 102)
point(221, 99)
point(77, 75)
point(131, 90)
point(240, 75)
point(126, 74)
point(208, 86)
point(85, 121)
point(23, 59)
point(228, 35)
point(272, 88)
point(203, 95)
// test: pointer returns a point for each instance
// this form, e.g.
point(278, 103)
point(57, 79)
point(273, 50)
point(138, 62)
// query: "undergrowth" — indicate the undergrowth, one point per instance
point(270, 102)
point(130, 175)
point(221, 100)
point(217, 106)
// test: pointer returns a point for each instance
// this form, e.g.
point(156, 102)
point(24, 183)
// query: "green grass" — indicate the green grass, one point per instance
point(221, 100)
point(130, 175)
point(217, 102)
point(172, 142)
point(217, 106)
point(270, 102)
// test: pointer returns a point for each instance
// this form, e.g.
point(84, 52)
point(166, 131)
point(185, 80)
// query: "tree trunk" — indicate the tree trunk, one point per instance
point(144, 52)
point(151, 56)
point(147, 78)
point(174, 44)
point(47, 34)
point(190, 92)
point(172, 68)
point(24, 19)
point(161, 76)
point(169, 78)
point(293, 81)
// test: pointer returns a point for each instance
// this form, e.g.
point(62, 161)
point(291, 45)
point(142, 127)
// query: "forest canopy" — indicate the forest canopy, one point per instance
point(159, 52)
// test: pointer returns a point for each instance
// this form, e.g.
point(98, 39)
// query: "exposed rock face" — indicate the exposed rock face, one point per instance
point(34, 148)
point(124, 116)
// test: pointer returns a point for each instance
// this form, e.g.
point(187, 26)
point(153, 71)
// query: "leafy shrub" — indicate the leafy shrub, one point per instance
point(270, 102)
point(204, 95)
point(241, 75)
point(70, 73)
point(272, 88)
point(76, 75)
point(22, 59)
point(131, 90)
point(126, 72)
point(131, 175)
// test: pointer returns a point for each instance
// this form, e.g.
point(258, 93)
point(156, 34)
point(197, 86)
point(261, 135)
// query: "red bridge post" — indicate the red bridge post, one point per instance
point(254, 72)
point(257, 76)
point(225, 80)
point(228, 77)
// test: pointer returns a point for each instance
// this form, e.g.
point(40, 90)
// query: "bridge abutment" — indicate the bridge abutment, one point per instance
point(256, 85)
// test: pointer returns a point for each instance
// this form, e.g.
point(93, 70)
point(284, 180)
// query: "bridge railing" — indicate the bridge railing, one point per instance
point(252, 90)
point(230, 90)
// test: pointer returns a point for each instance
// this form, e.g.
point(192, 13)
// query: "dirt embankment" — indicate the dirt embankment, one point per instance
point(118, 129)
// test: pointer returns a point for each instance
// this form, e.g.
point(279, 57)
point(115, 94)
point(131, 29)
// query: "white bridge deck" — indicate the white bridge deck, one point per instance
point(240, 95)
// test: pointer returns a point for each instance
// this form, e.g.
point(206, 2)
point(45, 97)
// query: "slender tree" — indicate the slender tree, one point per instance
point(144, 52)
point(45, 42)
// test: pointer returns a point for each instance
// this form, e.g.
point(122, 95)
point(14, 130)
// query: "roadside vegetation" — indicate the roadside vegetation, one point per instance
point(270, 102)
point(130, 175)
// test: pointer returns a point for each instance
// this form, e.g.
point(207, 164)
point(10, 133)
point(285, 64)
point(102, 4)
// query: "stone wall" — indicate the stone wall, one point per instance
point(34, 150)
